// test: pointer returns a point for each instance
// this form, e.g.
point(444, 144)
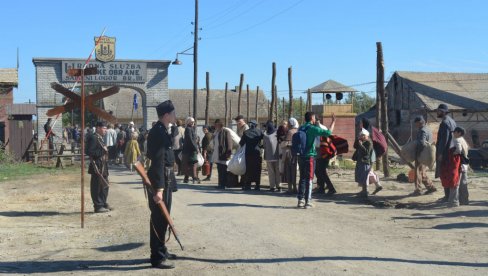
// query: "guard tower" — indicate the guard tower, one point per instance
point(333, 101)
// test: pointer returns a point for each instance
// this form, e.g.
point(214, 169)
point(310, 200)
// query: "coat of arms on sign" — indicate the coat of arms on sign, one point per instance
point(105, 50)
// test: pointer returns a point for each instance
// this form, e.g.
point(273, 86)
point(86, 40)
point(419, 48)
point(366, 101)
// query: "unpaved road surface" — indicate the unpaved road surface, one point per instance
point(241, 233)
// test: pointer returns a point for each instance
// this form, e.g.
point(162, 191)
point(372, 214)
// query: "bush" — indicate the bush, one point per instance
point(6, 157)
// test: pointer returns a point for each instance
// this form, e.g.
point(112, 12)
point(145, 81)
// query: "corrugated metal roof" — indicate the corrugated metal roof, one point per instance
point(21, 109)
point(458, 90)
point(9, 77)
point(331, 86)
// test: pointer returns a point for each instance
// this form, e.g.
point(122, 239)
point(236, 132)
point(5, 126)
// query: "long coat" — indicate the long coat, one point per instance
point(444, 137)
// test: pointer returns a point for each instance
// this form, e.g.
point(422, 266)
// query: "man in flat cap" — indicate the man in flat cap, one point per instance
point(161, 175)
point(444, 138)
point(98, 153)
point(424, 137)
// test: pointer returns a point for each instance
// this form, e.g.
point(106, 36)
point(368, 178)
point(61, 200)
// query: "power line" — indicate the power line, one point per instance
point(259, 23)
point(212, 27)
point(224, 12)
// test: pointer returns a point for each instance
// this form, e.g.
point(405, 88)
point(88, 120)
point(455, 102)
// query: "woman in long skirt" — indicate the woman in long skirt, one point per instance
point(362, 156)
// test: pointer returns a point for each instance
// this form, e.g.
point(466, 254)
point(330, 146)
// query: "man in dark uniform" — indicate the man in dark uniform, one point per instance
point(49, 135)
point(161, 175)
point(97, 151)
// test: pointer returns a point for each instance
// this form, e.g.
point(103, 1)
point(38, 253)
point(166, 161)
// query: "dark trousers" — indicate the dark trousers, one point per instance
point(98, 191)
point(112, 152)
point(222, 171)
point(322, 176)
point(158, 226)
point(306, 165)
point(177, 160)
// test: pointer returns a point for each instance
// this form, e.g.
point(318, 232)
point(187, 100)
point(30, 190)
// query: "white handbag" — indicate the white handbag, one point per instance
point(200, 159)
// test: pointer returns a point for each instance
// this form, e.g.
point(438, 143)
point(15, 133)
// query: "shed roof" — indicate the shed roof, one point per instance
point(22, 109)
point(331, 86)
point(183, 99)
point(9, 77)
point(459, 91)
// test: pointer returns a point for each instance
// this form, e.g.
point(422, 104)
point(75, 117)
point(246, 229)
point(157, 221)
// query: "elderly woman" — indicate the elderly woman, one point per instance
point(290, 161)
point(189, 153)
point(362, 156)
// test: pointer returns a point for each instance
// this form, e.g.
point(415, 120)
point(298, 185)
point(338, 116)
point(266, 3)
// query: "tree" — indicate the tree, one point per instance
point(362, 102)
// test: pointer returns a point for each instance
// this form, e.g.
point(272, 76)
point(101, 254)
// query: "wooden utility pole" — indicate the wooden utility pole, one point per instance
point(290, 97)
point(195, 65)
point(207, 100)
point(257, 100)
point(273, 81)
point(241, 82)
point(384, 111)
point(225, 100)
point(247, 113)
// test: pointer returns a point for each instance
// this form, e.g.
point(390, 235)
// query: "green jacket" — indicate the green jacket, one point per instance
point(313, 132)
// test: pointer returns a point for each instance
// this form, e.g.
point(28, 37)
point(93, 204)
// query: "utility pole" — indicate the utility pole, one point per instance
point(290, 98)
point(195, 65)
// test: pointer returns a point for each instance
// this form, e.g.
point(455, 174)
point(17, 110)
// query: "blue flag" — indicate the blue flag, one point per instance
point(135, 101)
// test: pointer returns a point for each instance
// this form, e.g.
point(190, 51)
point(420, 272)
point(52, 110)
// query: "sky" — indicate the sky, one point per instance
point(319, 39)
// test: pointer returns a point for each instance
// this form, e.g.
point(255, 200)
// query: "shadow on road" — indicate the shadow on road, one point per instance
point(333, 258)
point(120, 247)
point(23, 267)
point(229, 204)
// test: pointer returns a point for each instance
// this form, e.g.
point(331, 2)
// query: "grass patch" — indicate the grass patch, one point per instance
point(20, 170)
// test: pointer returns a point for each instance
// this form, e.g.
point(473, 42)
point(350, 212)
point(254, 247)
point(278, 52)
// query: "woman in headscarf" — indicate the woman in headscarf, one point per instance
point(290, 161)
point(362, 156)
point(189, 153)
point(252, 139)
point(281, 135)
point(271, 155)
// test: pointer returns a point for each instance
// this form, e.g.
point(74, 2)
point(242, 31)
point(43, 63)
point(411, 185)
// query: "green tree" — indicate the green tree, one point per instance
point(362, 102)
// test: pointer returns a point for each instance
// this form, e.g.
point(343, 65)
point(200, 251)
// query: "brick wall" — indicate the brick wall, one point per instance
point(344, 127)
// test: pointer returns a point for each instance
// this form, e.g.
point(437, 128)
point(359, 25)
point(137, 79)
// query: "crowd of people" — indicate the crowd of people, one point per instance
point(170, 148)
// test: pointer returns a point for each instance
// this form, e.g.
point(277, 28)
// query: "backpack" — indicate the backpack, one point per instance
point(299, 142)
point(379, 142)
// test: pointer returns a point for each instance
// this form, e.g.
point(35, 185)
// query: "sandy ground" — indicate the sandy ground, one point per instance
point(242, 233)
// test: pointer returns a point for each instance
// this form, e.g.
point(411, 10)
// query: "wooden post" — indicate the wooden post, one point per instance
point(207, 100)
point(225, 99)
point(378, 108)
point(189, 108)
point(309, 100)
point(283, 111)
point(241, 82)
point(82, 141)
point(230, 112)
point(301, 108)
point(273, 81)
point(257, 100)
point(276, 104)
point(384, 110)
point(247, 111)
point(290, 97)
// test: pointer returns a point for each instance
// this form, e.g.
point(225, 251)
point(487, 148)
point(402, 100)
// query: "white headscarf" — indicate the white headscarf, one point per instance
point(364, 131)
point(293, 123)
point(189, 120)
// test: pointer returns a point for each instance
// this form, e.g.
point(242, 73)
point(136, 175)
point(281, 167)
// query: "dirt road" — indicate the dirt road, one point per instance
point(242, 233)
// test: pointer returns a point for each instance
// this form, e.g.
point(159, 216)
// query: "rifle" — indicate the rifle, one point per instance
point(145, 180)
